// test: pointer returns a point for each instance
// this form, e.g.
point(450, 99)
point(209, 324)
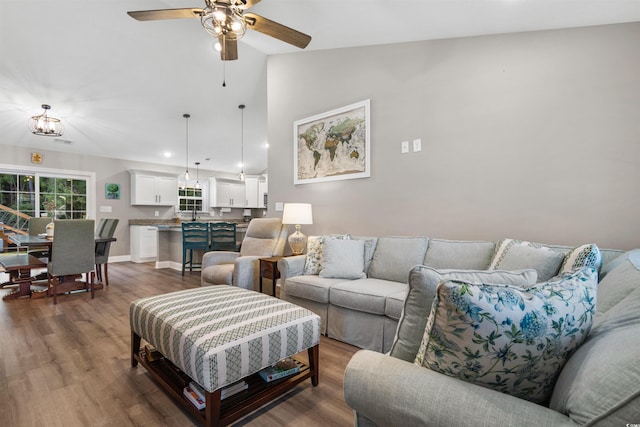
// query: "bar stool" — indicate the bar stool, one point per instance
point(195, 236)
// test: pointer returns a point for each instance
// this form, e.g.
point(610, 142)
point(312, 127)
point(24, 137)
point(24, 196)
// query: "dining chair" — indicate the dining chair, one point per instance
point(106, 228)
point(222, 236)
point(100, 226)
point(38, 225)
point(72, 254)
point(195, 236)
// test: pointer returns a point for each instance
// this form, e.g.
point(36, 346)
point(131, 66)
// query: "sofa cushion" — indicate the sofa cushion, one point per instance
point(343, 259)
point(507, 338)
point(618, 282)
point(369, 249)
point(315, 252)
point(423, 282)
point(219, 274)
point(513, 254)
point(311, 287)
point(367, 295)
point(582, 256)
point(394, 303)
point(459, 254)
point(396, 256)
point(602, 379)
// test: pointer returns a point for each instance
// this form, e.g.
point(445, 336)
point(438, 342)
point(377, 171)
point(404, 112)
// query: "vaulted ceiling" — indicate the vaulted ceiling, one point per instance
point(121, 86)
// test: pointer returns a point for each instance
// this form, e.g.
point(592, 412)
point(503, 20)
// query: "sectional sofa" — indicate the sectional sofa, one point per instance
point(362, 307)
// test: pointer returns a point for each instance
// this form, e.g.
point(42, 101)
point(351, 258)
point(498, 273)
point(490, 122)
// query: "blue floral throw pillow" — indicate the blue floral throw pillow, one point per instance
point(511, 339)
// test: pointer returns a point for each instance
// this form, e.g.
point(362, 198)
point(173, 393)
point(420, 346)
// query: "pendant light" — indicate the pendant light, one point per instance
point(45, 125)
point(241, 107)
point(197, 176)
point(186, 172)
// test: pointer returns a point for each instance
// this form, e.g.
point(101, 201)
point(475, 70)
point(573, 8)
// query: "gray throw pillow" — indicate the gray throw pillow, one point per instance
point(343, 259)
point(423, 282)
point(516, 255)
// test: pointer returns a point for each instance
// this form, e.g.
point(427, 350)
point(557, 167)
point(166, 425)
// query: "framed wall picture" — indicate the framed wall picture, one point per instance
point(112, 191)
point(333, 146)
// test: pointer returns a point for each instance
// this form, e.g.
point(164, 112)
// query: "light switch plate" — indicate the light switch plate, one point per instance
point(105, 209)
point(279, 206)
point(417, 145)
point(404, 147)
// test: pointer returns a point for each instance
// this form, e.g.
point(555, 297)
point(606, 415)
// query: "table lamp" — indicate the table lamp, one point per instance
point(297, 213)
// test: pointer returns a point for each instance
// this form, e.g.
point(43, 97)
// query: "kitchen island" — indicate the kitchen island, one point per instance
point(168, 241)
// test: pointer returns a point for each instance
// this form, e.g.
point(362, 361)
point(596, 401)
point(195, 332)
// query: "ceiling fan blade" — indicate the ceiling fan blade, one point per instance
point(278, 31)
point(152, 15)
point(246, 4)
point(229, 51)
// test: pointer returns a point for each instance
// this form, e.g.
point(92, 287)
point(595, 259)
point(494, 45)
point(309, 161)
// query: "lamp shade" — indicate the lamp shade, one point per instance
point(297, 213)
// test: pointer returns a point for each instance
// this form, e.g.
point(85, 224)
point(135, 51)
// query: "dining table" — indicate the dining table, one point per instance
point(19, 264)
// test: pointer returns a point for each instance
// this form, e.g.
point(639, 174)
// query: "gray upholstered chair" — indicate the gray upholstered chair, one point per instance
point(265, 237)
point(106, 228)
point(72, 253)
point(38, 225)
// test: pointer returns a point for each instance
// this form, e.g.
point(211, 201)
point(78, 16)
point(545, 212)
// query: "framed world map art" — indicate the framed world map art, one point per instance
point(333, 146)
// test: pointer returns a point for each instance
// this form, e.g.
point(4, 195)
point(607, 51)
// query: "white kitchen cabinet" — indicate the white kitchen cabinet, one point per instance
point(251, 191)
point(153, 188)
point(226, 193)
point(255, 189)
point(143, 243)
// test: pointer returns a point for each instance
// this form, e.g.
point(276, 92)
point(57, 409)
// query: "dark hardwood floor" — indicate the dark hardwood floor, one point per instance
point(68, 365)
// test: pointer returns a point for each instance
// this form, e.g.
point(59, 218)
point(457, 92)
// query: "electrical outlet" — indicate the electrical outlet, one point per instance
point(279, 206)
point(404, 147)
point(417, 145)
point(156, 213)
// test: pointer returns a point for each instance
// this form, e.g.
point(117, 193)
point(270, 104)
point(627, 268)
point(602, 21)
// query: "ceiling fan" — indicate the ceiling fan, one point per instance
point(227, 21)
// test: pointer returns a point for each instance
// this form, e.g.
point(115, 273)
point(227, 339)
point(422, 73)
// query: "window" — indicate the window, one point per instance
point(190, 198)
point(30, 192)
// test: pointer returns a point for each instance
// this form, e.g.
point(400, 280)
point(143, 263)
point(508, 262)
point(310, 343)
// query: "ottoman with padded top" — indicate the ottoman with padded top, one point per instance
point(217, 335)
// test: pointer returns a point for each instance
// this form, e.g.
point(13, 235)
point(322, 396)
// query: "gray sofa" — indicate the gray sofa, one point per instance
point(388, 307)
point(364, 312)
point(598, 386)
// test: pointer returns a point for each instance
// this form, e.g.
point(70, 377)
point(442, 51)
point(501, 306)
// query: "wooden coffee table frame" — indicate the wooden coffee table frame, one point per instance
point(220, 412)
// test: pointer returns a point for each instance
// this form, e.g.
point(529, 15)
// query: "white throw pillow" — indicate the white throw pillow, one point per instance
point(315, 251)
point(343, 259)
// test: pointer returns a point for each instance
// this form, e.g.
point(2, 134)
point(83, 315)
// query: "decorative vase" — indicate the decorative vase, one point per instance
point(49, 229)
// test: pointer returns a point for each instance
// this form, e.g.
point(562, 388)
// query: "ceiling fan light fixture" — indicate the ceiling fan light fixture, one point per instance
point(44, 125)
point(224, 20)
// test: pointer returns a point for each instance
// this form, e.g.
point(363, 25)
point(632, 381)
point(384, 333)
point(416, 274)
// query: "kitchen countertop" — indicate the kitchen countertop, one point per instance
point(172, 223)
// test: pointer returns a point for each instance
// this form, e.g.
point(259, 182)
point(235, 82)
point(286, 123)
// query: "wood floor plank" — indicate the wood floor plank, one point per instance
point(74, 359)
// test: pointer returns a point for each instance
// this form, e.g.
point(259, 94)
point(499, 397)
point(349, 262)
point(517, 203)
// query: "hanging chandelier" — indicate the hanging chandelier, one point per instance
point(45, 125)
point(197, 176)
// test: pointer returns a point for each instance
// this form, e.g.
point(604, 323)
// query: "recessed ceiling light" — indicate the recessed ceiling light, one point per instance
point(266, 145)
point(167, 154)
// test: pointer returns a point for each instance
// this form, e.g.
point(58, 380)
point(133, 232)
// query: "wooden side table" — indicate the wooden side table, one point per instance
point(269, 270)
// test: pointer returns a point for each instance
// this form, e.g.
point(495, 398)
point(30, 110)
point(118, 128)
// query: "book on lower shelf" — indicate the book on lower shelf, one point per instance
point(226, 391)
point(152, 353)
point(282, 369)
point(193, 397)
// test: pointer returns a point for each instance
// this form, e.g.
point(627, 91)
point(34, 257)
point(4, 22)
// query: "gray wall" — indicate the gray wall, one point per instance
point(529, 135)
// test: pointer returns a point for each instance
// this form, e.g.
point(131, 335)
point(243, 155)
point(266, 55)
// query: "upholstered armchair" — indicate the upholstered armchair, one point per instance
point(265, 237)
